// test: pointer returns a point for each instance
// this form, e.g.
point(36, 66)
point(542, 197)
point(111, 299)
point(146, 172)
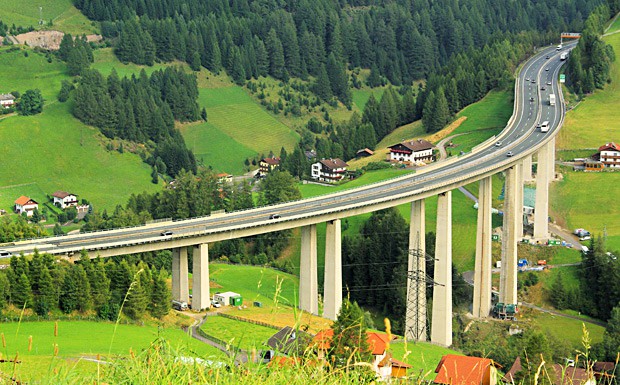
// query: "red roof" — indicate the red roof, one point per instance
point(24, 200)
point(376, 341)
point(611, 146)
point(223, 175)
point(462, 370)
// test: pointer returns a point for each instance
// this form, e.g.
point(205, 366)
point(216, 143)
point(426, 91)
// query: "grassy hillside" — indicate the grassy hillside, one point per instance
point(591, 124)
point(64, 16)
point(54, 151)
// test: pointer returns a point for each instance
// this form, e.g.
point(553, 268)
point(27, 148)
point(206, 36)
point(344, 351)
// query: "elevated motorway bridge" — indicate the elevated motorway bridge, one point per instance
point(511, 151)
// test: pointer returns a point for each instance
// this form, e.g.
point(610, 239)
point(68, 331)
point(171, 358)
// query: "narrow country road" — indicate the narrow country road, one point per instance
point(241, 356)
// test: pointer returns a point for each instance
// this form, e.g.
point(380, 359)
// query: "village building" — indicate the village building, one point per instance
point(464, 370)
point(411, 151)
point(224, 178)
point(7, 100)
point(383, 364)
point(364, 152)
point(24, 204)
point(329, 170)
point(64, 199)
point(266, 165)
point(609, 155)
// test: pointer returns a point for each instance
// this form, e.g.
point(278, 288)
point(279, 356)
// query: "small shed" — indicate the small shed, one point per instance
point(228, 298)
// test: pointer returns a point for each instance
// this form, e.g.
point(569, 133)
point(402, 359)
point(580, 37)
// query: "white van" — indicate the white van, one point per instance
point(179, 305)
point(5, 254)
point(544, 126)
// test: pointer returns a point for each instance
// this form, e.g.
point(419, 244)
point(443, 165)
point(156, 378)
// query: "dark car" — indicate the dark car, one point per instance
point(274, 216)
point(509, 153)
point(532, 99)
point(543, 88)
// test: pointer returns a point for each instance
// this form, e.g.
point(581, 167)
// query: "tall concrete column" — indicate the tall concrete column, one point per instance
point(508, 273)
point(527, 169)
point(519, 201)
point(200, 278)
point(180, 275)
point(415, 323)
point(308, 282)
point(552, 159)
point(541, 209)
point(484, 263)
point(332, 296)
point(441, 327)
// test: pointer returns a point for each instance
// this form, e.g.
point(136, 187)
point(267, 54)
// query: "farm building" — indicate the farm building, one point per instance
point(329, 170)
point(228, 298)
point(224, 178)
point(411, 151)
point(364, 152)
point(609, 155)
point(64, 199)
point(24, 204)
point(7, 100)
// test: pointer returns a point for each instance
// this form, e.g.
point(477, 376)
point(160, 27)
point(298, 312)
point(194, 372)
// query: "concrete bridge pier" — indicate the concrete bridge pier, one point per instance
point(200, 278)
point(180, 275)
point(552, 159)
point(415, 324)
point(483, 264)
point(541, 209)
point(513, 217)
point(332, 295)
point(441, 327)
point(308, 282)
point(527, 169)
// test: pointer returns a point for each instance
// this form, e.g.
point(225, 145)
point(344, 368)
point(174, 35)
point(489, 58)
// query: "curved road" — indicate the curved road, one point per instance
point(520, 137)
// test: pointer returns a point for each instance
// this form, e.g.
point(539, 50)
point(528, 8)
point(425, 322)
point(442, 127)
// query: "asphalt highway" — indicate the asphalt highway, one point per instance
point(520, 137)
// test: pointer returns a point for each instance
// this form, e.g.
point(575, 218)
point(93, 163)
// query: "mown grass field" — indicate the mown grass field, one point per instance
point(361, 96)
point(239, 334)
point(567, 329)
point(576, 204)
point(77, 340)
point(65, 17)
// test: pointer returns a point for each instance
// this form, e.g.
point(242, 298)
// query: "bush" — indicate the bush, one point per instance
point(376, 166)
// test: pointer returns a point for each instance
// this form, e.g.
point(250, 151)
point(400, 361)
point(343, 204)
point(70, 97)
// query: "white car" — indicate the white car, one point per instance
point(498, 144)
point(509, 154)
point(216, 304)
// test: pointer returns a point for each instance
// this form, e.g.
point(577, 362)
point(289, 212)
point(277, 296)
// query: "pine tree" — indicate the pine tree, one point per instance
point(160, 295)
point(338, 79)
point(137, 299)
point(44, 299)
point(350, 341)
point(66, 46)
point(322, 87)
point(276, 55)
point(21, 293)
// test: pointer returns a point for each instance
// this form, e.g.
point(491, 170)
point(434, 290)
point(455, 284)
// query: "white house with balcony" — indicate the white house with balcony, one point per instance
point(329, 170)
point(64, 199)
point(411, 151)
point(7, 100)
point(609, 155)
point(24, 204)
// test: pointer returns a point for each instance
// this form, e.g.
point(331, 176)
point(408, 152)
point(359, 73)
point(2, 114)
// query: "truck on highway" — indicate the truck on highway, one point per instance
point(544, 127)
point(552, 100)
point(563, 56)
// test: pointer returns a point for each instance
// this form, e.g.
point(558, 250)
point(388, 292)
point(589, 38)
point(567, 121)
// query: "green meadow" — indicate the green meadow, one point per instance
point(64, 16)
point(239, 334)
point(361, 96)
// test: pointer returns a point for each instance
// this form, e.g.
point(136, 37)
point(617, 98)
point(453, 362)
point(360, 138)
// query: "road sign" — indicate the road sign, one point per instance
point(495, 237)
point(562, 78)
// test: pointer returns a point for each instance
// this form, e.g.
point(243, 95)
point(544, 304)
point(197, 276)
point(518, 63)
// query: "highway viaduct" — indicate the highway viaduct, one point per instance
point(520, 137)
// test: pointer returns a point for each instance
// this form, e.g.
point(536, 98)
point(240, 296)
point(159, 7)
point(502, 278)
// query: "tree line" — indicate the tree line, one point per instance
point(589, 64)
point(142, 109)
point(46, 285)
point(403, 41)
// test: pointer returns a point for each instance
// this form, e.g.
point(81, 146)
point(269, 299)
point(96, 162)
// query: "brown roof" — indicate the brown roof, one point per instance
point(416, 145)
point(609, 146)
point(365, 150)
point(462, 370)
point(570, 375)
point(23, 200)
point(514, 369)
point(7, 97)
point(61, 194)
point(334, 163)
point(272, 161)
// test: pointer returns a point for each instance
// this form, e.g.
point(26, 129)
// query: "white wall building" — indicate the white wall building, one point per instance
point(7, 100)
point(411, 151)
point(329, 170)
point(609, 155)
point(24, 204)
point(64, 199)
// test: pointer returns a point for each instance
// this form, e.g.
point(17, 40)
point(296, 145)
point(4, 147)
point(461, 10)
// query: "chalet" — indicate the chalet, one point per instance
point(411, 151)
point(23, 204)
point(64, 199)
point(266, 165)
point(224, 178)
point(364, 152)
point(464, 370)
point(7, 100)
point(329, 170)
point(383, 364)
point(609, 155)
